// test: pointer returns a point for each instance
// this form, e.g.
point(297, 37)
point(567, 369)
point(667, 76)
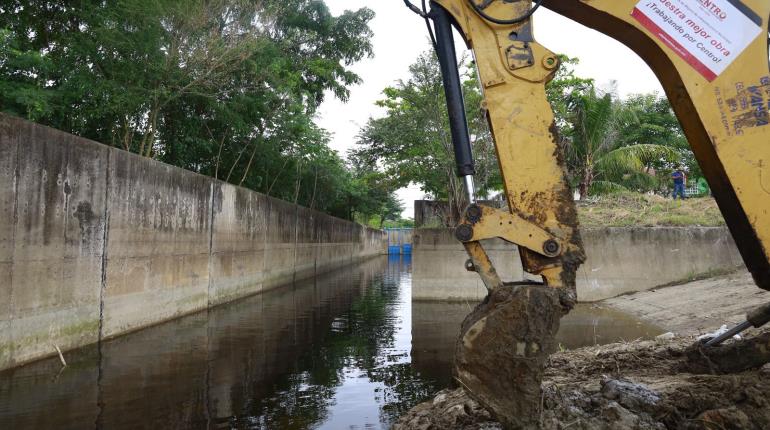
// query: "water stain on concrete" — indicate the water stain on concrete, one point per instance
point(91, 229)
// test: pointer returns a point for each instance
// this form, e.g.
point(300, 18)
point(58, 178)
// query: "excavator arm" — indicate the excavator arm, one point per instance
point(711, 57)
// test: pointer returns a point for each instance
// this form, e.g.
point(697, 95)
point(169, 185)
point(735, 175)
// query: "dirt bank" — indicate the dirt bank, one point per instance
point(639, 384)
point(632, 209)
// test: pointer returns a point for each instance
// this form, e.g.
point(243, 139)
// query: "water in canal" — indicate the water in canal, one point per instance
point(346, 350)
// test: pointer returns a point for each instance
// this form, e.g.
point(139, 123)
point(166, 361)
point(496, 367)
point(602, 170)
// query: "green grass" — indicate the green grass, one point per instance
point(632, 209)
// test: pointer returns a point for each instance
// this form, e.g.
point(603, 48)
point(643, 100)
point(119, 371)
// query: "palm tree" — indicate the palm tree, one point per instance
point(596, 158)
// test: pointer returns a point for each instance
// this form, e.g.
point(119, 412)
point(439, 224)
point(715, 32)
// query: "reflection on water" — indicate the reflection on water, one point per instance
point(332, 352)
point(338, 351)
point(435, 327)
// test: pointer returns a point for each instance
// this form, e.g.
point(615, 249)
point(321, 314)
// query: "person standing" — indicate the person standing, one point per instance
point(680, 181)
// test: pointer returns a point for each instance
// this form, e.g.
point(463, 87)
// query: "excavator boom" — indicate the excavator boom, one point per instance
point(711, 57)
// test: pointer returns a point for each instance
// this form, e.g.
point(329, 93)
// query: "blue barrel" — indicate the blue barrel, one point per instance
point(399, 241)
point(406, 241)
point(394, 241)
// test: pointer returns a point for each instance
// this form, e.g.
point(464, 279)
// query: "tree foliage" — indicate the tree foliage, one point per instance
point(658, 125)
point(613, 144)
point(562, 89)
point(373, 199)
point(411, 143)
point(227, 88)
point(600, 156)
point(610, 144)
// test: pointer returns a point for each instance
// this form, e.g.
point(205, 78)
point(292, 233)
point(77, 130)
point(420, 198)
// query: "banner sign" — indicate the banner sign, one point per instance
point(707, 34)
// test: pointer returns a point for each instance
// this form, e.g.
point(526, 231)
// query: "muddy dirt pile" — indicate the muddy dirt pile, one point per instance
point(637, 385)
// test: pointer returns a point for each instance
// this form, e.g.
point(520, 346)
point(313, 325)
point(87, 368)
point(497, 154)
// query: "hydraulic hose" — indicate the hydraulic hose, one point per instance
point(458, 122)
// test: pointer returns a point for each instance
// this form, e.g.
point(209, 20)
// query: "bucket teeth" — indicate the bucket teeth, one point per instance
point(502, 350)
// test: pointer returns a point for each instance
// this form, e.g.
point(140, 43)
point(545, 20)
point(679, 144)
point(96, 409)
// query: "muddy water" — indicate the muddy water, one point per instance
point(344, 350)
point(435, 327)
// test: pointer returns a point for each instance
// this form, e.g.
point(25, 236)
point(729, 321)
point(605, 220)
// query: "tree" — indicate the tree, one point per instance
point(594, 128)
point(372, 200)
point(564, 87)
point(657, 125)
point(226, 88)
point(412, 143)
point(391, 210)
point(597, 156)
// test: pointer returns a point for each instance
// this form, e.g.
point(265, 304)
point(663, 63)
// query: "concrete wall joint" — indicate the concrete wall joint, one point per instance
point(105, 242)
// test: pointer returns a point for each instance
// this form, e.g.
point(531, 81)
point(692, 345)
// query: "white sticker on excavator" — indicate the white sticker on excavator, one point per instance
point(708, 34)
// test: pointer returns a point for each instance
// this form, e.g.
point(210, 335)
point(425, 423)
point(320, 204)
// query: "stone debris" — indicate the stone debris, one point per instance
point(629, 394)
point(637, 385)
point(665, 336)
point(765, 370)
point(450, 409)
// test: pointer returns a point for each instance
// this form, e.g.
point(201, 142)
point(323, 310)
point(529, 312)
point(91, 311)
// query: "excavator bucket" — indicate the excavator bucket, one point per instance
point(506, 340)
point(502, 349)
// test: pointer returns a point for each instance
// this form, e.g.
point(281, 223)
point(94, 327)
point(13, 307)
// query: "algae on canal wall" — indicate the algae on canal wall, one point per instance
point(96, 242)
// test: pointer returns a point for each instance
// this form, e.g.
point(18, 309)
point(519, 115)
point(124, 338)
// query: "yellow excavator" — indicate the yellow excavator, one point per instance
point(711, 57)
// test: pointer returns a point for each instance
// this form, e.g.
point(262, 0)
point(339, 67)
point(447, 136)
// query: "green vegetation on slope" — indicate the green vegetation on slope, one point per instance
point(642, 210)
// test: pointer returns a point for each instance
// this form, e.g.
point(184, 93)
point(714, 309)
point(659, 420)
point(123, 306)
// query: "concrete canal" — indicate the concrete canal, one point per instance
point(347, 349)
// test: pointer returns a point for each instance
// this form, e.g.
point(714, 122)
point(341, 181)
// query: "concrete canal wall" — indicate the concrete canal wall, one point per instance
point(620, 260)
point(96, 242)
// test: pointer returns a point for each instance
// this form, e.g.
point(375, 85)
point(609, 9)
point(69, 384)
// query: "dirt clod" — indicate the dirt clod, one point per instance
point(728, 358)
point(637, 385)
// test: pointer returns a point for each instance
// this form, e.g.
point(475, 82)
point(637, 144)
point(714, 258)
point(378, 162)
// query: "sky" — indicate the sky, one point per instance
point(401, 36)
